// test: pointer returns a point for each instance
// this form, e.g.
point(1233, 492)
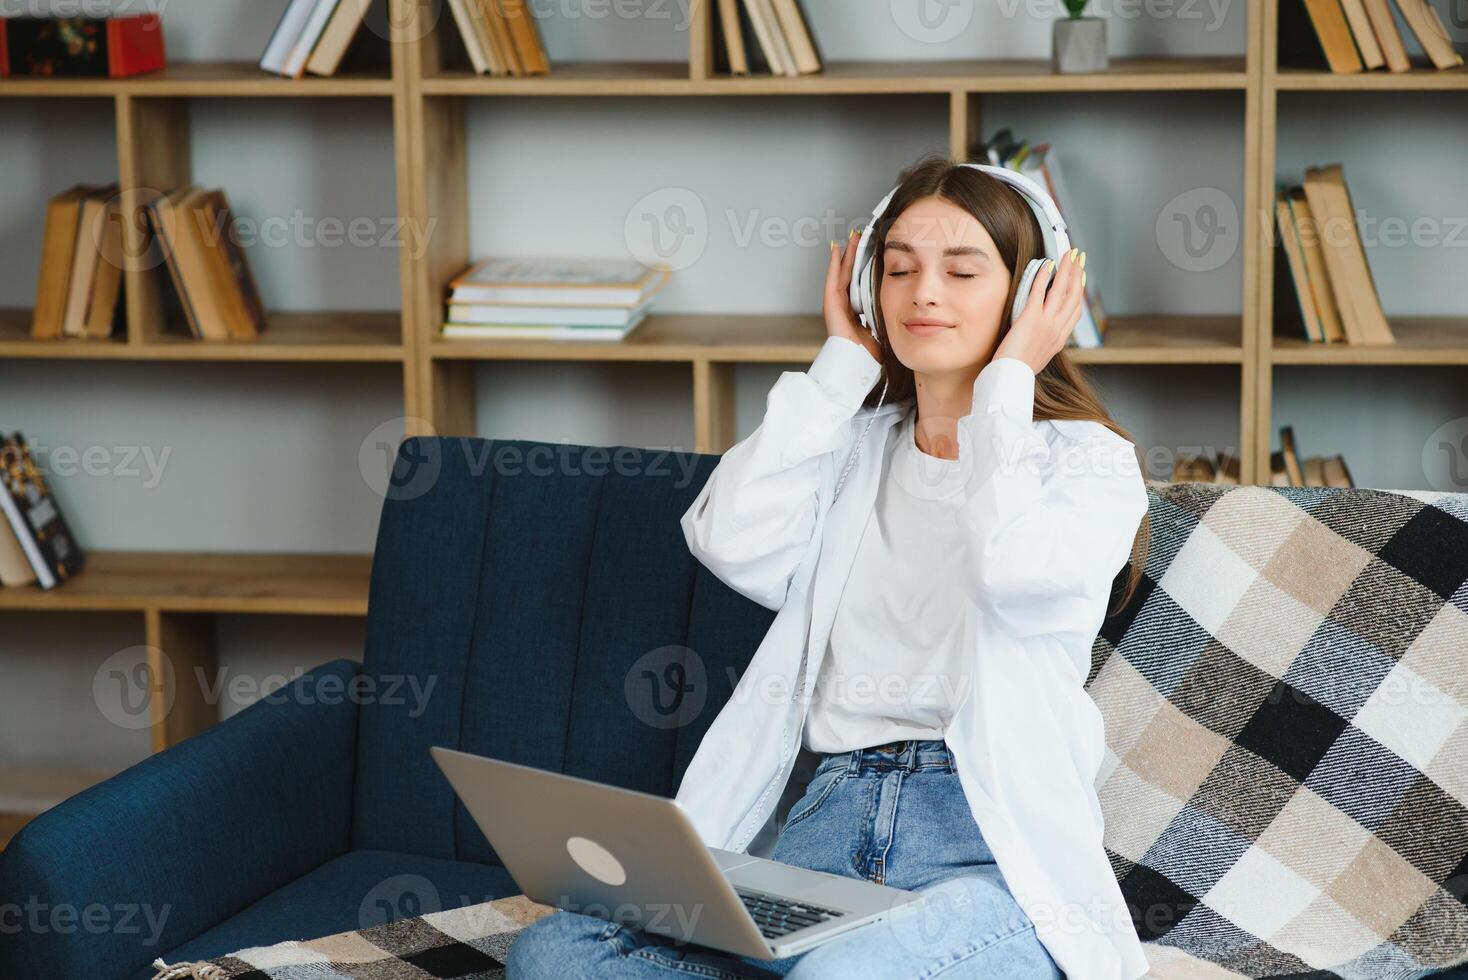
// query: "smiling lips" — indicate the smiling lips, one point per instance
point(926, 328)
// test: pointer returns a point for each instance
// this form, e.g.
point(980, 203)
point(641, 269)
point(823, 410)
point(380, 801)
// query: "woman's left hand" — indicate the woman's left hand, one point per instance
point(1048, 317)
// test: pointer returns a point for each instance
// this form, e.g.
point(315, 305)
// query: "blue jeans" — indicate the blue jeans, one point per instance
point(893, 814)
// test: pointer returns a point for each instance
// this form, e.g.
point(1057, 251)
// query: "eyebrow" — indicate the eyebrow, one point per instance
point(900, 246)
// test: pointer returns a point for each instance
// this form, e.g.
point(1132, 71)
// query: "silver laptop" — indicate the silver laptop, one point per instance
point(635, 858)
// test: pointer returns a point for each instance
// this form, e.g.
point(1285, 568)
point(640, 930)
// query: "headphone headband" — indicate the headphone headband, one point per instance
point(1052, 234)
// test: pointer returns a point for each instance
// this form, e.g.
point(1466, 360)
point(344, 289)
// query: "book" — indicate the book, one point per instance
point(558, 282)
point(293, 65)
point(210, 275)
point(1336, 473)
point(464, 19)
point(346, 21)
point(728, 40)
point(1305, 231)
point(287, 32)
point(525, 31)
point(804, 56)
point(578, 316)
point(1291, 458)
point(1431, 34)
point(1346, 265)
point(89, 47)
point(86, 258)
point(544, 331)
point(15, 567)
point(771, 40)
point(58, 255)
point(1364, 33)
point(1385, 25)
point(161, 210)
point(232, 283)
point(1334, 34)
point(35, 517)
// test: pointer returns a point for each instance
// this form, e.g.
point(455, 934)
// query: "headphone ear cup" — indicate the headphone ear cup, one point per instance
point(1026, 283)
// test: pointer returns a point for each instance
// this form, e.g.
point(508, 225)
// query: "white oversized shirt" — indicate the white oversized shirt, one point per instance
point(895, 667)
point(1050, 511)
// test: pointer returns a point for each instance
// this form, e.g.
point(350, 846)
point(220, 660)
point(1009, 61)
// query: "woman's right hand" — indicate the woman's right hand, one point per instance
point(841, 321)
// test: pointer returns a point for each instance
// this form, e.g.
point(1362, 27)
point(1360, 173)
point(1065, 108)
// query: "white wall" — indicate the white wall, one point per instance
point(267, 456)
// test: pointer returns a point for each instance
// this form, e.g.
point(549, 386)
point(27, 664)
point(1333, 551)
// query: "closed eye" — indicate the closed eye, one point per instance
point(908, 272)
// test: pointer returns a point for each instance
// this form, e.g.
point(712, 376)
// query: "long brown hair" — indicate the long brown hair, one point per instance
point(1061, 390)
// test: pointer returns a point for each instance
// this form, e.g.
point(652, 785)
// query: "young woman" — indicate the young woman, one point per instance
point(948, 597)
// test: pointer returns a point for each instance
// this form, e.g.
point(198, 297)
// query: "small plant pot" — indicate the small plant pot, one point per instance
point(1080, 45)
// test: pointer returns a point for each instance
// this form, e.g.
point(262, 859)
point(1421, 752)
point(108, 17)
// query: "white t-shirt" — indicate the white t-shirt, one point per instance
point(894, 666)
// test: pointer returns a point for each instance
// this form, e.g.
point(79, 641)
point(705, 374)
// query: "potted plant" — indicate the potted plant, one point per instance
point(1080, 42)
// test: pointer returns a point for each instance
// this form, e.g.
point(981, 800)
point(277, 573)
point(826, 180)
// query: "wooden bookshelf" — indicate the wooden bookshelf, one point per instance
point(429, 88)
point(1421, 341)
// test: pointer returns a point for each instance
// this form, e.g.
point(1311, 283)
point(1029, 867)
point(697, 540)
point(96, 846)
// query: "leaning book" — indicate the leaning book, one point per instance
point(34, 517)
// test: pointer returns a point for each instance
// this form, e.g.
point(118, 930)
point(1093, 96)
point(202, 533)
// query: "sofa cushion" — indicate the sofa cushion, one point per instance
point(1285, 786)
point(358, 889)
point(545, 600)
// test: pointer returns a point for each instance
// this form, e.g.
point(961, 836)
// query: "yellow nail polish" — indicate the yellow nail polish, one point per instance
point(1083, 260)
point(1083, 280)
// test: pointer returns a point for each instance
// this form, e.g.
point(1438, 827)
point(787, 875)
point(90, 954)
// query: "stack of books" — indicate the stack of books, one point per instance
point(1321, 257)
point(551, 299)
point(36, 545)
point(81, 47)
point(313, 36)
point(79, 289)
point(771, 37)
point(1041, 163)
point(1359, 35)
point(211, 281)
point(1286, 469)
point(501, 37)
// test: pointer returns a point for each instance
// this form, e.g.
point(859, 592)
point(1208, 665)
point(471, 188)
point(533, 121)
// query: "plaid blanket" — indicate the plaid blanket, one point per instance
point(1285, 787)
point(468, 943)
point(1285, 784)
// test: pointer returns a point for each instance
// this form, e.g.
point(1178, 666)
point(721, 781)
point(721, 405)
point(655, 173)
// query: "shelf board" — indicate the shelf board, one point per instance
point(259, 582)
point(855, 78)
point(794, 339)
point(349, 336)
point(1420, 340)
point(1378, 80)
point(204, 78)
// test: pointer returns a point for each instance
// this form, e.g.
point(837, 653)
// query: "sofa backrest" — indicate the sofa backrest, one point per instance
point(536, 602)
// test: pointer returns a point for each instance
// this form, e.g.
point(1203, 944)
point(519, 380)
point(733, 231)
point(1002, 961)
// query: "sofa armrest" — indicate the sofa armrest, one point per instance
point(114, 877)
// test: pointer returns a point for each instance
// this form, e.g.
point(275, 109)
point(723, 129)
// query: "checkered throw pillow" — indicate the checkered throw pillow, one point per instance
point(1285, 787)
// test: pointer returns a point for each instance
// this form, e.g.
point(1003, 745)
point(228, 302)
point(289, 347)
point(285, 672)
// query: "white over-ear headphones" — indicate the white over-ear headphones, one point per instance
point(1052, 235)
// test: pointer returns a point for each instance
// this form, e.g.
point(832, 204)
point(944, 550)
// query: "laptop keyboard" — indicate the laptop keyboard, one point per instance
point(777, 916)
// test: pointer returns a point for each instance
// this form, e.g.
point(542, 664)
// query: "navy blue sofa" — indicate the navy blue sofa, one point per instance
point(515, 587)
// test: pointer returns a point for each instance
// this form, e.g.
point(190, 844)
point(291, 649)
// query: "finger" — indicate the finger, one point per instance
point(1065, 287)
point(848, 256)
point(833, 268)
point(1035, 303)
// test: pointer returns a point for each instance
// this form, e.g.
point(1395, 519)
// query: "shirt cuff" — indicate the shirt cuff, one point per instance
point(846, 371)
point(1006, 384)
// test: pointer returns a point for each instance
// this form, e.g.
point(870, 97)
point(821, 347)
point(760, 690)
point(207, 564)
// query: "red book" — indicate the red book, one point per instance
point(134, 45)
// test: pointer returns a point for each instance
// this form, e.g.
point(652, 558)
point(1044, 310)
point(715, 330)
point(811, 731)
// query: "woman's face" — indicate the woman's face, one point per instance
point(944, 288)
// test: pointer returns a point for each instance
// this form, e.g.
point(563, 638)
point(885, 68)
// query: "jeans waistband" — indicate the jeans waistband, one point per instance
point(910, 755)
